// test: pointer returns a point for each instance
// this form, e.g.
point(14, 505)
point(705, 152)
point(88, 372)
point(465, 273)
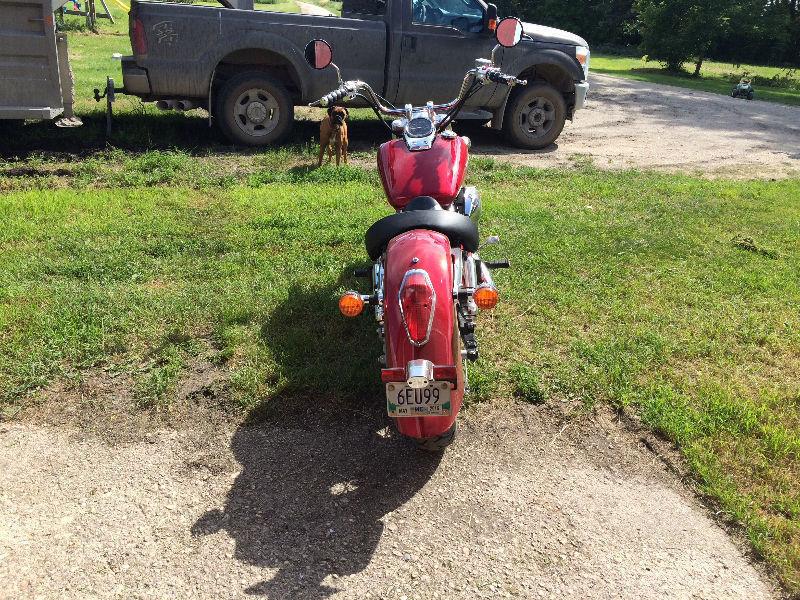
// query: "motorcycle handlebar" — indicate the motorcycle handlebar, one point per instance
point(331, 97)
point(509, 80)
point(360, 87)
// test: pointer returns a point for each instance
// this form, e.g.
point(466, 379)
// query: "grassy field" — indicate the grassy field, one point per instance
point(665, 295)
point(715, 77)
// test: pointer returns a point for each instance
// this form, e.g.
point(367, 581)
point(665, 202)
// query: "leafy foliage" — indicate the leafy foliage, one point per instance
point(738, 30)
point(676, 31)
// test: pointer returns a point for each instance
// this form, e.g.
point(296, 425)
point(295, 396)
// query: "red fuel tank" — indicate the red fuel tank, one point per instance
point(438, 172)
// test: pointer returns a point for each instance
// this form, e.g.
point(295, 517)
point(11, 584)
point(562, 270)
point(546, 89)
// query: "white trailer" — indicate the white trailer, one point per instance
point(36, 80)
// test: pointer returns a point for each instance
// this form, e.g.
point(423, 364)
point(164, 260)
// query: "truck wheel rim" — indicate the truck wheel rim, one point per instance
point(256, 112)
point(537, 117)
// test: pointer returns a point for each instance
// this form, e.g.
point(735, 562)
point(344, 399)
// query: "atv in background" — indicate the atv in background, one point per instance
point(744, 89)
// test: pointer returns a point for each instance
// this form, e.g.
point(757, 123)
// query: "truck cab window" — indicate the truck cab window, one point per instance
point(363, 7)
point(464, 15)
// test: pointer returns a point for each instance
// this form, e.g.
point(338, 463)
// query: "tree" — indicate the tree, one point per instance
point(598, 21)
point(676, 31)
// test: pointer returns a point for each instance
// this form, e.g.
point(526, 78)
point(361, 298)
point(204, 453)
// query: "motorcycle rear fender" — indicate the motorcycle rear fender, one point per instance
point(429, 251)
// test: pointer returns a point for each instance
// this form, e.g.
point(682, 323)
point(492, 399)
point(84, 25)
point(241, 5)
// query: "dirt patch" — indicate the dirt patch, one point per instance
point(525, 504)
point(102, 403)
point(632, 124)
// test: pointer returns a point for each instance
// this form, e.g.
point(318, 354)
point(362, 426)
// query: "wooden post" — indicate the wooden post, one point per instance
point(91, 15)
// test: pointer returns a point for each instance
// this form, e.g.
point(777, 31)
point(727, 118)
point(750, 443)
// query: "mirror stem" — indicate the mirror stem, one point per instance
point(338, 73)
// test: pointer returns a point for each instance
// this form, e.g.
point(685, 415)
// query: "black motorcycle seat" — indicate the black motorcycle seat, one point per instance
point(422, 213)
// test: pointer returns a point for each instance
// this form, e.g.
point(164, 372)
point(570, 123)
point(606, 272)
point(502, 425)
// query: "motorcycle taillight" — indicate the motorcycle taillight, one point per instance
point(417, 303)
point(138, 38)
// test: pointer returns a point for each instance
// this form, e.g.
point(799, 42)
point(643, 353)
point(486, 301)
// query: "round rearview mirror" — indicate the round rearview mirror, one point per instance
point(509, 32)
point(319, 54)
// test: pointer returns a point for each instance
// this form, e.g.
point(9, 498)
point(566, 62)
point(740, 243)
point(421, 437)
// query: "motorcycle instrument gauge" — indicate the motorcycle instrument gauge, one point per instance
point(419, 127)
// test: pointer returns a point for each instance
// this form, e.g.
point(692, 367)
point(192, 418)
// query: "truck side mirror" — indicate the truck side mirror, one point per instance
point(491, 17)
point(509, 32)
point(319, 54)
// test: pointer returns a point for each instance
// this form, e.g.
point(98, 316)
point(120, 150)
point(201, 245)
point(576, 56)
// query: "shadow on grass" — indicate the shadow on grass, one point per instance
point(319, 469)
point(139, 131)
point(662, 72)
point(323, 357)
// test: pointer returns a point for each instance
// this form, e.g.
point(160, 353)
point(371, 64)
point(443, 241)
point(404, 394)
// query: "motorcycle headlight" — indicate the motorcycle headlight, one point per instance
point(582, 54)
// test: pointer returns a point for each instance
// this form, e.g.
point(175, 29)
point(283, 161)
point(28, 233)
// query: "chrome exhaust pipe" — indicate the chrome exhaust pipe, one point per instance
point(183, 105)
point(165, 104)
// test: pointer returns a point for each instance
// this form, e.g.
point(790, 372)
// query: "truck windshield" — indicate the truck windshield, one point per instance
point(464, 15)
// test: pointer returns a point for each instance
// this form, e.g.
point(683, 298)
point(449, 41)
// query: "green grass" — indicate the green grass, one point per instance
point(627, 288)
point(715, 77)
point(667, 295)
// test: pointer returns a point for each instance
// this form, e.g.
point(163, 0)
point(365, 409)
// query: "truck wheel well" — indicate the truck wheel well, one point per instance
point(552, 74)
point(257, 59)
point(558, 78)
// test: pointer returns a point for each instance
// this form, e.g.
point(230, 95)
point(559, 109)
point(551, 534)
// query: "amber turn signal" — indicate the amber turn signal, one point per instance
point(486, 297)
point(351, 304)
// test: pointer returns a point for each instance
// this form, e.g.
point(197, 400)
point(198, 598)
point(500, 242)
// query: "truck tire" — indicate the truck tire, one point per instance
point(254, 109)
point(534, 116)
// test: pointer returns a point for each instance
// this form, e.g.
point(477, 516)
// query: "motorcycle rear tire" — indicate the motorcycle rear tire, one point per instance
point(439, 442)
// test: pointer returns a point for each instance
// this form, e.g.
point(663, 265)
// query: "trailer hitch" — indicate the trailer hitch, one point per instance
point(110, 94)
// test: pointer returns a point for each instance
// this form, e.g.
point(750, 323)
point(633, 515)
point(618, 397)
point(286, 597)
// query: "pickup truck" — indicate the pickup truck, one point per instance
point(247, 67)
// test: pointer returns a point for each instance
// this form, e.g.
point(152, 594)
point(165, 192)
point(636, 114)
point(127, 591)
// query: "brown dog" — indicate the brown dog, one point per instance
point(333, 134)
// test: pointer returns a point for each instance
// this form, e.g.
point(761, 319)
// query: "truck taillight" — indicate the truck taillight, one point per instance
point(417, 305)
point(138, 38)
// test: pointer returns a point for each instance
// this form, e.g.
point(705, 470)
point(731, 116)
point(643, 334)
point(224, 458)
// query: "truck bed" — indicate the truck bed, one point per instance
point(185, 44)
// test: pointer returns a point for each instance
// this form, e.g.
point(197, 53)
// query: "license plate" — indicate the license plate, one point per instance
point(405, 401)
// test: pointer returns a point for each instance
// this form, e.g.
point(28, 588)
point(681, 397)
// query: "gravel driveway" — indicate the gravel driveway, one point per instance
point(631, 124)
point(330, 504)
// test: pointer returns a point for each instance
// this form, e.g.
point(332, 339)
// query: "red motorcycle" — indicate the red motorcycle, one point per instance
point(428, 280)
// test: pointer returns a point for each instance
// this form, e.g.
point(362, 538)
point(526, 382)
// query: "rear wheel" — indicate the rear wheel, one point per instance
point(535, 116)
point(254, 109)
point(440, 442)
